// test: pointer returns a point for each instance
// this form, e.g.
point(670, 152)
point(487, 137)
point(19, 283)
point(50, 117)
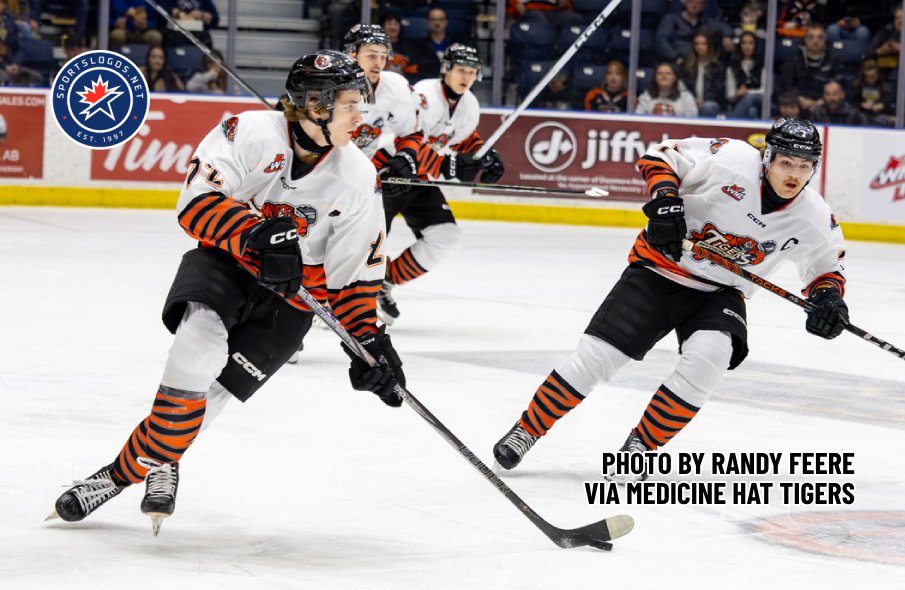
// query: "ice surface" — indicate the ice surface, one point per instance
point(312, 484)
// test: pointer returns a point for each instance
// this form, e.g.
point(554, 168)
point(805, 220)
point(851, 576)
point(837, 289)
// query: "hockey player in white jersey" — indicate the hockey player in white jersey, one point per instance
point(389, 132)
point(449, 119)
point(276, 200)
point(759, 212)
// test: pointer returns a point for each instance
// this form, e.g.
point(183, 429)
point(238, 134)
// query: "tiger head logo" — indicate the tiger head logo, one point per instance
point(437, 142)
point(366, 134)
point(716, 144)
point(304, 215)
point(742, 250)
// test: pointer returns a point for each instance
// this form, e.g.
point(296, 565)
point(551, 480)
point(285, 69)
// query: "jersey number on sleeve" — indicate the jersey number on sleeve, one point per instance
point(212, 176)
point(375, 258)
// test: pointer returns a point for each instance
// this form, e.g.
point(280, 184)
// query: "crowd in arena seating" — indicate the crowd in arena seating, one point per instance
point(835, 61)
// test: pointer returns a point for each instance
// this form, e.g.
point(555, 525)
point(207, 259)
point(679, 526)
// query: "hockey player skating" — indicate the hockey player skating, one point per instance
point(449, 118)
point(758, 212)
point(276, 200)
point(389, 131)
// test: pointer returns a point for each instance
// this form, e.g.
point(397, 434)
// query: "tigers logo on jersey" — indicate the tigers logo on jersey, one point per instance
point(304, 215)
point(366, 134)
point(742, 250)
point(229, 128)
point(437, 142)
point(716, 144)
point(734, 191)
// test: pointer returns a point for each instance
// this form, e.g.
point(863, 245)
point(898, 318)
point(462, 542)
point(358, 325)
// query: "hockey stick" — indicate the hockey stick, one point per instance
point(712, 254)
point(173, 23)
point(596, 535)
point(581, 40)
point(506, 188)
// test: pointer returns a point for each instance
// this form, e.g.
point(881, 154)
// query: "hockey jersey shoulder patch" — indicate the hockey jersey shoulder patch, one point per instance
point(229, 128)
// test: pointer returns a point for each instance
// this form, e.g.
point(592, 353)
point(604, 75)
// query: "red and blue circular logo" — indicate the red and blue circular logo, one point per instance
point(100, 99)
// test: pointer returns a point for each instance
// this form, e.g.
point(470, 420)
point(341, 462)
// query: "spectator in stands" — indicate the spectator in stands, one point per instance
point(132, 23)
point(79, 13)
point(886, 43)
point(835, 109)
point(73, 44)
point(160, 78)
point(750, 17)
point(705, 75)
point(12, 71)
point(402, 60)
point(431, 51)
point(202, 13)
point(613, 96)
point(810, 69)
point(795, 16)
point(847, 27)
point(666, 95)
point(556, 12)
point(558, 95)
point(789, 107)
point(211, 79)
point(22, 16)
point(744, 79)
point(871, 93)
point(676, 31)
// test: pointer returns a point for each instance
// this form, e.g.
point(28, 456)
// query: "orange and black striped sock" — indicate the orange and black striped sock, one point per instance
point(404, 268)
point(665, 416)
point(553, 400)
point(163, 436)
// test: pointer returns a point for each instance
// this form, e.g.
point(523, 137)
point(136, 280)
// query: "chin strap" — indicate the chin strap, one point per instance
point(450, 93)
point(308, 144)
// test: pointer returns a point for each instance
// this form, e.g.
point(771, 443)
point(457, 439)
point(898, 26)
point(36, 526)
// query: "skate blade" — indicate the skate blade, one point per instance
point(52, 516)
point(156, 520)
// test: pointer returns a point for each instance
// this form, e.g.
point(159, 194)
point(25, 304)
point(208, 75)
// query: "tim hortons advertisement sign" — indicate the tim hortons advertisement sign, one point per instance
point(164, 145)
point(570, 151)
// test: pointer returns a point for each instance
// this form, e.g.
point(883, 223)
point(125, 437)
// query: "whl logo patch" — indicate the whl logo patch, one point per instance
point(100, 99)
point(279, 161)
point(734, 191)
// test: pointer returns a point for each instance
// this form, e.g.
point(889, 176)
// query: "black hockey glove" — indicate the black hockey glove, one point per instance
point(493, 166)
point(403, 165)
point(276, 242)
point(461, 166)
point(666, 228)
point(383, 378)
point(830, 313)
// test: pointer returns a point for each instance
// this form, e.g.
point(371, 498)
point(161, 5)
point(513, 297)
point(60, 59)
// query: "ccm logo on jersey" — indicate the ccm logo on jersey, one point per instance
point(734, 191)
point(248, 366)
point(279, 161)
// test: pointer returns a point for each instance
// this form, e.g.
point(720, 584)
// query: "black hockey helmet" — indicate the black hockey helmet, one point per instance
point(321, 75)
point(793, 137)
point(462, 55)
point(365, 35)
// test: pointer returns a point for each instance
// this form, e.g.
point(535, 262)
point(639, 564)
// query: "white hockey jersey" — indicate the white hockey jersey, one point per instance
point(241, 171)
point(442, 129)
point(393, 115)
point(720, 183)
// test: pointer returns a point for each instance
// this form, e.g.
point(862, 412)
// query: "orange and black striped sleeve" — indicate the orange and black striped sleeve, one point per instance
point(412, 141)
point(217, 220)
point(380, 158)
point(429, 161)
point(355, 306)
point(830, 280)
point(469, 145)
point(657, 173)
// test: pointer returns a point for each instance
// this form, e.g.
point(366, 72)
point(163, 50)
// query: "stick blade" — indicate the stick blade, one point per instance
point(597, 534)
